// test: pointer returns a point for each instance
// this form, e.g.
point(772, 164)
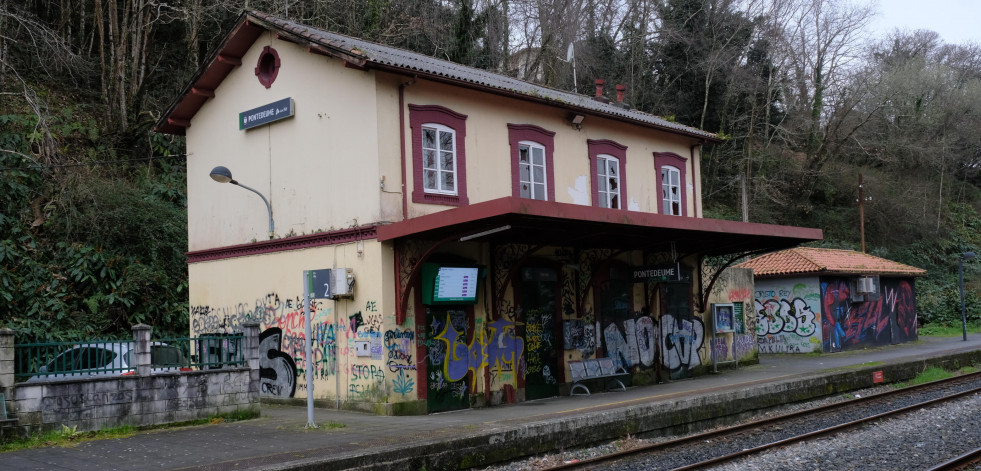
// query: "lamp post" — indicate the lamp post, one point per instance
point(960, 273)
point(221, 174)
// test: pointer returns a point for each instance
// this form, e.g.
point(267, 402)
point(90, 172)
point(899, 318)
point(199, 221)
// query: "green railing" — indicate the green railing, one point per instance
point(211, 351)
point(102, 358)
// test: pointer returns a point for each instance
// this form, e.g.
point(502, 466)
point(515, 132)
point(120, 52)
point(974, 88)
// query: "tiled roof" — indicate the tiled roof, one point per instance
point(806, 260)
point(368, 55)
point(374, 53)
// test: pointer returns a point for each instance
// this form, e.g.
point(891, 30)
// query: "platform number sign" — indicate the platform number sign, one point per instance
point(319, 283)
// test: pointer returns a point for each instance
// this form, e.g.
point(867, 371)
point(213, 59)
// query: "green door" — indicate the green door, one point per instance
point(448, 358)
point(538, 293)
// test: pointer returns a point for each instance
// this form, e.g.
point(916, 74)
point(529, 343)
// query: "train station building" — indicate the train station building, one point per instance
point(480, 240)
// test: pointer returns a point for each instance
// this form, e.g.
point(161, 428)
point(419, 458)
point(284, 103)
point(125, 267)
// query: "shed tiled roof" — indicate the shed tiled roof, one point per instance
point(364, 54)
point(807, 260)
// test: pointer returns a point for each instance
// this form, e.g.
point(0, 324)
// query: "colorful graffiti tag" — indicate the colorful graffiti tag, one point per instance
point(785, 319)
point(681, 339)
point(635, 345)
point(849, 325)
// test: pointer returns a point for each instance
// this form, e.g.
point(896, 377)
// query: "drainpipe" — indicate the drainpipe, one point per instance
point(405, 198)
point(694, 180)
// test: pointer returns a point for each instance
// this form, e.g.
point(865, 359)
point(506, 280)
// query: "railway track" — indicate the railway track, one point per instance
point(718, 447)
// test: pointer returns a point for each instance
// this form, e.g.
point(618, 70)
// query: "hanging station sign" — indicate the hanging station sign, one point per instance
point(657, 273)
point(265, 114)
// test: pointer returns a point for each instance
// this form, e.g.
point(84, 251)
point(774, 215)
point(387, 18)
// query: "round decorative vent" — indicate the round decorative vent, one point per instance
point(268, 66)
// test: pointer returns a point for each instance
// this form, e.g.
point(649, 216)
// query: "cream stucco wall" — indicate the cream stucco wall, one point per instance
point(337, 163)
point(268, 289)
point(488, 156)
point(319, 169)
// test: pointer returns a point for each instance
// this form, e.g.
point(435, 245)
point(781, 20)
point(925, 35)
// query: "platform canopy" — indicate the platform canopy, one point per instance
point(518, 220)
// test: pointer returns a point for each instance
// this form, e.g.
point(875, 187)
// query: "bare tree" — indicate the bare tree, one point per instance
point(823, 42)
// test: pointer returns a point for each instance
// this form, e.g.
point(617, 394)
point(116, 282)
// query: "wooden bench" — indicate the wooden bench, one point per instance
point(599, 368)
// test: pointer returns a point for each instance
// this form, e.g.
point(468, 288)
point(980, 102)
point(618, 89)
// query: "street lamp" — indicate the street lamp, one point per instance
point(221, 174)
point(960, 273)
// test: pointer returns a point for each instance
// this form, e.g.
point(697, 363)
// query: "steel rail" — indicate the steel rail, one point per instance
point(827, 431)
point(765, 422)
point(961, 462)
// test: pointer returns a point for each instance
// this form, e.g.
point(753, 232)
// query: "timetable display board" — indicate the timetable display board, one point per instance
point(449, 284)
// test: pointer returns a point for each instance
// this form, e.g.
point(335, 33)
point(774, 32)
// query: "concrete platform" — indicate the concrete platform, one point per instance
point(278, 440)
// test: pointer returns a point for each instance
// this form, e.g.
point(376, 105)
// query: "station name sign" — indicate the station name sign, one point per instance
point(658, 273)
point(265, 114)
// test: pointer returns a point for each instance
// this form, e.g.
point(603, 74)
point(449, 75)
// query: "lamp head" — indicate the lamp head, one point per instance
point(221, 174)
point(967, 255)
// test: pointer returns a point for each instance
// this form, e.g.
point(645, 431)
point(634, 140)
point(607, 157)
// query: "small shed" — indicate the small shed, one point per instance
point(830, 300)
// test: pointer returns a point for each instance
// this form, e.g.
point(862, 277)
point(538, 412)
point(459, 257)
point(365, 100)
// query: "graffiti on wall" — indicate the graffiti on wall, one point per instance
point(277, 370)
point(285, 337)
point(579, 334)
point(403, 384)
point(635, 345)
point(900, 303)
point(496, 347)
point(849, 325)
point(398, 344)
point(743, 345)
point(505, 351)
point(785, 319)
point(681, 339)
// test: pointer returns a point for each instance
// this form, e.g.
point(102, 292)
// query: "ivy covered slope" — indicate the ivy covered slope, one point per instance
point(93, 239)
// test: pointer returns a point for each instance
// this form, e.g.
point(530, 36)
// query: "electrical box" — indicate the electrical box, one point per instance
point(342, 283)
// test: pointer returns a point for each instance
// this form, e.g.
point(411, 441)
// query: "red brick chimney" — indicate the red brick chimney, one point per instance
point(620, 90)
point(599, 91)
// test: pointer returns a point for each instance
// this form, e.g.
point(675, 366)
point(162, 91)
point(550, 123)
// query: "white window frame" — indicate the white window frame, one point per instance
point(440, 172)
point(603, 180)
point(530, 147)
point(668, 197)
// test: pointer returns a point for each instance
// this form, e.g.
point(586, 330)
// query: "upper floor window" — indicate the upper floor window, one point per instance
point(671, 190)
point(438, 159)
point(671, 168)
point(607, 162)
point(532, 171)
point(438, 155)
point(608, 181)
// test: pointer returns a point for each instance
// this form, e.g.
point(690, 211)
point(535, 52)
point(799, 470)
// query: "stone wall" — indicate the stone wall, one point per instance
point(138, 400)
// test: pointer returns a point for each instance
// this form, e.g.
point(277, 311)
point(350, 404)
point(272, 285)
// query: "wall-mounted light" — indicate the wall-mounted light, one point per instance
point(221, 174)
point(484, 233)
point(576, 120)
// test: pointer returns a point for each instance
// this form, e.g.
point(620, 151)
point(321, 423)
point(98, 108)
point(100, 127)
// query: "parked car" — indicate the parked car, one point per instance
point(108, 359)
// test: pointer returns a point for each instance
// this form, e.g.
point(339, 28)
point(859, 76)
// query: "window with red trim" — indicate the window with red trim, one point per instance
point(607, 165)
point(670, 168)
point(438, 155)
point(532, 172)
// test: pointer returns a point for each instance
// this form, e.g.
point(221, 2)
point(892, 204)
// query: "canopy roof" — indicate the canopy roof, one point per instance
point(518, 220)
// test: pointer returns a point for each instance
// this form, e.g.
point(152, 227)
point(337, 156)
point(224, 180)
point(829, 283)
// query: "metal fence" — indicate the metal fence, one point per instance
point(105, 358)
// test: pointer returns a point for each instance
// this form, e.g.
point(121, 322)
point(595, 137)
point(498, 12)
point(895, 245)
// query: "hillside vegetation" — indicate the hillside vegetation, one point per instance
point(92, 203)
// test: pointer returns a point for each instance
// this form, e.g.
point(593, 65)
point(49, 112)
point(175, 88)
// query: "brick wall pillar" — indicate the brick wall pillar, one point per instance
point(141, 337)
point(6, 360)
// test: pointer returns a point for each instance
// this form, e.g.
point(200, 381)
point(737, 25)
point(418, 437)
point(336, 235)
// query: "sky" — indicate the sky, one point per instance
point(957, 21)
